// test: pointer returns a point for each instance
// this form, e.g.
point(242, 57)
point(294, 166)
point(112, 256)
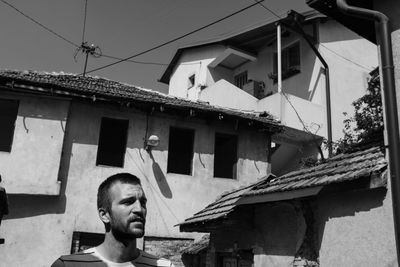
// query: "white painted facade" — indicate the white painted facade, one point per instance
point(52, 178)
point(350, 59)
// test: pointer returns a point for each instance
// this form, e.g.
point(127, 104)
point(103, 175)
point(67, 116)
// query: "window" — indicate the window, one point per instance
point(85, 240)
point(241, 79)
point(112, 142)
point(8, 115)
point(180, 151)
point(225, 155)
point(191, 81)
point(290, 62)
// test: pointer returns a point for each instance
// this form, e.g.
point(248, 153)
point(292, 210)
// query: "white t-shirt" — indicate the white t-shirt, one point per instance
point(143, 260)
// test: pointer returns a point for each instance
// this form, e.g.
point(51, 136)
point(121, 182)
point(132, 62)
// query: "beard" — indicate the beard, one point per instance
point(129, 230)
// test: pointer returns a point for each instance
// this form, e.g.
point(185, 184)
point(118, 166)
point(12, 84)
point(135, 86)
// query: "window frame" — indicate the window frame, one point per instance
point(169, 159)
point(288, 70)
point(12, 119)
point(124, 142)
point(235, 166)
point(241, 79)
point(191, 81)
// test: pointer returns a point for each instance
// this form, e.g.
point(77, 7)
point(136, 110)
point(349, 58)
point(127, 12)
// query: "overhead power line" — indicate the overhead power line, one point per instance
point(177, 38)
point(336, 53)
point(40, 24)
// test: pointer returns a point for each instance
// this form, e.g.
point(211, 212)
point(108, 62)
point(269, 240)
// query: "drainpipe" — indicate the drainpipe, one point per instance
point(279, 56)
point(392, 124)
point(300, 30)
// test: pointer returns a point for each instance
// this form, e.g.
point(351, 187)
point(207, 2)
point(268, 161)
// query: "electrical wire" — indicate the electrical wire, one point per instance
point(176, 39)
point(78, 47)
point(144, 62)
point(40, 24)
point(336, 53)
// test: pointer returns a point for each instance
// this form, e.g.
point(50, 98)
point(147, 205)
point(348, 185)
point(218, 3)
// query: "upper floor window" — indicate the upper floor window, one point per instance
point(112, 142)
point(191, 81)
point(290, 62)
point(8, 115)
point(180, 151)
point(225, 155)
point(240, 79)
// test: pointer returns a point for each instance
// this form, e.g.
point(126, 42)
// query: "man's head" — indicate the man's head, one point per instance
point(121, 203)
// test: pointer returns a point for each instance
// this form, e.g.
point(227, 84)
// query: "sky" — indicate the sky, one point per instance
point(121, 28)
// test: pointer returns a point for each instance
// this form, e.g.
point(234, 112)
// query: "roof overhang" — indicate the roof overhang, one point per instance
point(279, 196)
point(363, 27)
point(232, 58)
point(248, 39)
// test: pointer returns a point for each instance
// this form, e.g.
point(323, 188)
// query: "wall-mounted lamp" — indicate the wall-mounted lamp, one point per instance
point(152, 142)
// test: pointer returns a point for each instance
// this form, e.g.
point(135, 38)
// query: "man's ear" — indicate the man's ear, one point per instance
point(104, 215)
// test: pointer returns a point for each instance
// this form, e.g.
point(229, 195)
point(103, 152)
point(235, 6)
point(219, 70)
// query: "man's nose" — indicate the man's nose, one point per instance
point(137, 207)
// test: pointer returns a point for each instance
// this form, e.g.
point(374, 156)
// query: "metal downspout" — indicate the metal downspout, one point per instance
point(327, 86)
point(392, 124)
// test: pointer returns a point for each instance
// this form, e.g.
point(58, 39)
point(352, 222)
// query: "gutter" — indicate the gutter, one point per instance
point(392, 124)
point(295, 17)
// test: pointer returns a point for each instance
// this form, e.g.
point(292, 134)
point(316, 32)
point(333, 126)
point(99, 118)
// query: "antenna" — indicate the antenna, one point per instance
point(84, 47)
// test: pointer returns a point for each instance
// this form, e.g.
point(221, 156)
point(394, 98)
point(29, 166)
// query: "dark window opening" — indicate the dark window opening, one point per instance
point(180, 151)
point(241, 79)
point(290, 62)
point(191, 81)
point(112, 142)
point(225, 156)
point(8, 115)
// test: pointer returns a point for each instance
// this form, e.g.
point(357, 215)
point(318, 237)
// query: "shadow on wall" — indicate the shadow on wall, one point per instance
point(160, 178)
point(22, 206)
point(346, 204)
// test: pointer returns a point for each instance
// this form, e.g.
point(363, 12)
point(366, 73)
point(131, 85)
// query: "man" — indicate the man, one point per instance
point(121, 205)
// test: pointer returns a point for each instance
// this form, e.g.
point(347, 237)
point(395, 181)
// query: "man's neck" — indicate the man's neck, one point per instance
point(118, 251)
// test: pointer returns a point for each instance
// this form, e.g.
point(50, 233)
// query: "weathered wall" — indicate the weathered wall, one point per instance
point(32, 165)
point(350, 59)
point(356, 229)
point(274, 234)
point(43, 225)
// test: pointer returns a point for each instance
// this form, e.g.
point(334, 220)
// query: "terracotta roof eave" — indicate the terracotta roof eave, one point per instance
point(182, 104)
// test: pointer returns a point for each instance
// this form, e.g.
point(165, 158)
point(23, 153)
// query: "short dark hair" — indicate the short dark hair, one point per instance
point(103, 193)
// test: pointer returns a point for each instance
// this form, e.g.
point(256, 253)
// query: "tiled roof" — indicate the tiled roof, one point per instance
point(340, 168)
point(197, 246)
point(224, 205)
point(96, 88)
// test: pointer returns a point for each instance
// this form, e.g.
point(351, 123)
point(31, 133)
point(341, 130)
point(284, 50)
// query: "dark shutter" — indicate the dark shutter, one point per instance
point(8, 115)
point(112, 142)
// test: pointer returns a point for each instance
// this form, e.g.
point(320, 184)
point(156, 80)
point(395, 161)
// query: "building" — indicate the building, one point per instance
point(63, 134)
point(337, 213)
point(324, 67)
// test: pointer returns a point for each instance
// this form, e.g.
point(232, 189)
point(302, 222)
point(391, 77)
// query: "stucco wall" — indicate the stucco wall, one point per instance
point(32, 165)
point(193, 61)
point(356, 229)
point(273, 233)
point(222, 91)
point(43, 225)
point(350, 59)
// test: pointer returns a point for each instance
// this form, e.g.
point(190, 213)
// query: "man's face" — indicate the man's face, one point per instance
point(128, 210)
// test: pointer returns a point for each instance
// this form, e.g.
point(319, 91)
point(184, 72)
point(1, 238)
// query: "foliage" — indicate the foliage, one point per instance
point(365, 127)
